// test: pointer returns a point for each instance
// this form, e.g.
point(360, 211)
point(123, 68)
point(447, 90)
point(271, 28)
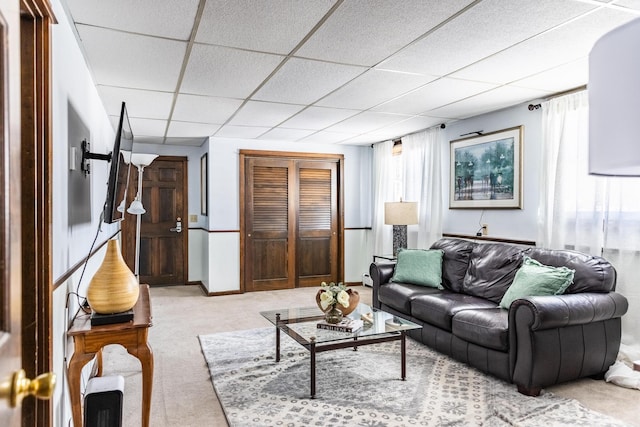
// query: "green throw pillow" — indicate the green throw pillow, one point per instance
point(535, 279)
point(419, 267)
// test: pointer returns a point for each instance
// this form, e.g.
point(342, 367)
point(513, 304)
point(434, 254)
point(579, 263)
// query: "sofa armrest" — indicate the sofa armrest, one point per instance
point(560, 338)
point(380, 273)
point(558, 311)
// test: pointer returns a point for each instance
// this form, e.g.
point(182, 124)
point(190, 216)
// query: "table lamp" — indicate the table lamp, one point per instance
point(400, 214)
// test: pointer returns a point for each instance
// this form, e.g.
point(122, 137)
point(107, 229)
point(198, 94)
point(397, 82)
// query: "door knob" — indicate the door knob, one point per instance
point(19, 386)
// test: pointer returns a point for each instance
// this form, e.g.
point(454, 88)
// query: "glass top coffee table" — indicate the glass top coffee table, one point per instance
point(301, 325)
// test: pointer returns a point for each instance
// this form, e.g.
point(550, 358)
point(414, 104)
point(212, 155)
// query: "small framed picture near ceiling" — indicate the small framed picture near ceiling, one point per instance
point(204, 184)
point(486, 171)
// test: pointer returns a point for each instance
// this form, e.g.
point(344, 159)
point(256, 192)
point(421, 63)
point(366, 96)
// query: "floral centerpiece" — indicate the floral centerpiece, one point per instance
point(336, 300)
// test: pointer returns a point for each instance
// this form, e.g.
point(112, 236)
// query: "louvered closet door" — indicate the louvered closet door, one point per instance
point(268, 227)
point(317, 230)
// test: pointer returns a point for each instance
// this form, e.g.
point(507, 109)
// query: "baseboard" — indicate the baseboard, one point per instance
point(215, 294)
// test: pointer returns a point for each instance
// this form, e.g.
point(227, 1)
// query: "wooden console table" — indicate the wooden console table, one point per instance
point(89, 340)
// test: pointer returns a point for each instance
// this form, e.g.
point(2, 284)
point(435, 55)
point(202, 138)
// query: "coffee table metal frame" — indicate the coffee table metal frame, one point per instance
point(386, 327)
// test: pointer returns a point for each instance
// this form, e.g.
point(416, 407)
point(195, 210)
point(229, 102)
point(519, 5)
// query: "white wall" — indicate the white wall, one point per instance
point(72, 83)
point(507, 223)
point(224, 206)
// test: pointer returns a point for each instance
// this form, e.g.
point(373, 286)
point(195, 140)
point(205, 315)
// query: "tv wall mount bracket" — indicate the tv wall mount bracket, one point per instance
point(88, 155)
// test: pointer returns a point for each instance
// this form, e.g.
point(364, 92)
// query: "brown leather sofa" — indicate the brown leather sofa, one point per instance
point(539, 341)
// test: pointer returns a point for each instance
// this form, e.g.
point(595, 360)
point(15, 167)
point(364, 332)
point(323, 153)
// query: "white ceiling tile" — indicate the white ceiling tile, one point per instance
point(435, 94)
point(318, 118)
point(147, 127)
point(164, 18)
point(302, 81)
point(630, 4)
point(458, 43)
point(191, 130)
point(502, 97)
point(274, 26)
point(366, 122)
point(240, 132)
point(268, 114)
point(205, 109)
point(366, 32)
point(133, 61)
point(365, 139)
point(325, 137)
point(372, 88)
point(140, 103)
point(231, 73)
point(283, 134)
point(405, 127)
point(191, 142)
point(559, 46)
point(558, 79)
point(156, 140)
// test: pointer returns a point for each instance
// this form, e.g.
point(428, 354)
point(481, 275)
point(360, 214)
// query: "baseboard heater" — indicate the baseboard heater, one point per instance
point(103, 401)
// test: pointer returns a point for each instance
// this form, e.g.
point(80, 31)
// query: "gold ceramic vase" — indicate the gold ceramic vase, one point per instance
point(114, 288)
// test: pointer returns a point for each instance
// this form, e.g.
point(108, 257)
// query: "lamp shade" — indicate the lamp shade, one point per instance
point(136, 208)
point(400, 213)
point(614, 102)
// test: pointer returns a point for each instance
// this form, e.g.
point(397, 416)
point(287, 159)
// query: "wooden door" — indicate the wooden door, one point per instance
point(291, 220)
point(163, 231)
point(317, 224)
point(268, 224)
point(25, 202)
point(10, 285)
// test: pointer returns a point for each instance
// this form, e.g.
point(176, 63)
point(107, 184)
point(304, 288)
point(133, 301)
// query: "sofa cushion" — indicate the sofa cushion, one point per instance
point(400, 295)
point(419, 267)
point(536, 279)
point(593, 273)
point(455, 261)
point(484, 327)
point(492, 267)
point(438, 309)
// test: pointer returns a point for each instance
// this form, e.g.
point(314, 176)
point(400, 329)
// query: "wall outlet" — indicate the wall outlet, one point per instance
point(485, 229)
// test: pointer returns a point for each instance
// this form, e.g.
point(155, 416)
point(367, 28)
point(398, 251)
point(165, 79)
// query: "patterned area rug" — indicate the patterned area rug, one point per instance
point(363, 388)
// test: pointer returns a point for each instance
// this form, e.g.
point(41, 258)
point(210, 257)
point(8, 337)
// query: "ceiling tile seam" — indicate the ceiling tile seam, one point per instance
point(611, 4)
point(297, 47)
point(548, 30)
point(449, 75)
point(432, 30)
point(185, 62)
point(132, 33)
point(367, 68)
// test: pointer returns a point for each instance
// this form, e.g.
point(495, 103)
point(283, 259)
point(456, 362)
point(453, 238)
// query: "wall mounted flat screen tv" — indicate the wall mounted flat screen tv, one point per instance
point(119, 170)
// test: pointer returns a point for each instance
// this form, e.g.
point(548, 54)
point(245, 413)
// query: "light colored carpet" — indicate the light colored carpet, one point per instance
point(182, 392)
point(360, 388)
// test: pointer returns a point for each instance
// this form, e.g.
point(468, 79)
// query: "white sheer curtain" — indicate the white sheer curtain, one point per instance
point(423, 171)
point(596, 215)
point(383, 192)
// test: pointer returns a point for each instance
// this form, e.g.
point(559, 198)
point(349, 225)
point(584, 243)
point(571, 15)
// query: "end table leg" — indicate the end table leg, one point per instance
point(312, 350)
point(403, 355)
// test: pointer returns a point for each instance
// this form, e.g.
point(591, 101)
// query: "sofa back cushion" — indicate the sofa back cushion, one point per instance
point(492, 267)
point(455, 261)
point(592, 273)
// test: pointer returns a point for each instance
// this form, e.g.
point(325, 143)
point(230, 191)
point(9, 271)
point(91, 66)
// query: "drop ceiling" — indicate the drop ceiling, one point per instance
point(330, 71)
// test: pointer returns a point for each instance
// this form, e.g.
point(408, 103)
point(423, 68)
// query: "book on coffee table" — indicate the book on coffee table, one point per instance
point(345, 325)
